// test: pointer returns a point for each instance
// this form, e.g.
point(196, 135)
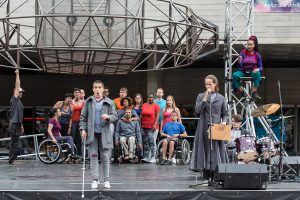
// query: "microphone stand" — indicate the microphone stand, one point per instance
point(210, 180)
point(281, 135)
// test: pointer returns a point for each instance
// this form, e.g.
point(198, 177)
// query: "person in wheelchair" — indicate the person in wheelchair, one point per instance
point(171, 131)
point(126, 133)
point(54, 131)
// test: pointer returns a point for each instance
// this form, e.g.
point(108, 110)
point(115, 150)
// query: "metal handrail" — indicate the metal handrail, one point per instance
point(35, 140)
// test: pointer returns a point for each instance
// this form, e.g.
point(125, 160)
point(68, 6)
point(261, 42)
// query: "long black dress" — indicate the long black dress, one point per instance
point(200, 156)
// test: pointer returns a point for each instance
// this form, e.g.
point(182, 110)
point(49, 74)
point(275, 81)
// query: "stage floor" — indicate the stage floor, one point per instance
point(34, 175)
point(37, 177)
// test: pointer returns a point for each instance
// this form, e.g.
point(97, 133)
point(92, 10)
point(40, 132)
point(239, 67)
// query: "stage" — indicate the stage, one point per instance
point(35, 180)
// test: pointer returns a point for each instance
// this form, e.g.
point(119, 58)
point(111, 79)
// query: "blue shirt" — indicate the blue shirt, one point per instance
point(172, 128)
point(98, 119)
point(162, 104)
point(138, 111)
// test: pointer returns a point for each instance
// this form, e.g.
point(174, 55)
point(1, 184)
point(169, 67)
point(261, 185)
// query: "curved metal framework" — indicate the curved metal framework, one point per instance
point(102, 36)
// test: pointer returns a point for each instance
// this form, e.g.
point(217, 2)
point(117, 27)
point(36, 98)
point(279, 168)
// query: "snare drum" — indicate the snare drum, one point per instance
point(263, 148)
point(246, 148)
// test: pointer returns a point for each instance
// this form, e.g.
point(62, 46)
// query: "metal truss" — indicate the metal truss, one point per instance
point(239, 25)
point(103, 36)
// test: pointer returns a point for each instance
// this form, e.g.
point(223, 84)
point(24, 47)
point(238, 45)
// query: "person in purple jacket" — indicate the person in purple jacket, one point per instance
point(250, 64)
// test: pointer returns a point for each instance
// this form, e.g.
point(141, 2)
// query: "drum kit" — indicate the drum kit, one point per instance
point(247, 148)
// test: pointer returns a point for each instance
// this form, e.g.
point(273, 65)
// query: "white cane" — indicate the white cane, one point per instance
point(83, 168)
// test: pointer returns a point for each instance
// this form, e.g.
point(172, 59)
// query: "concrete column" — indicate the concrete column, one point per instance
point(152, 81)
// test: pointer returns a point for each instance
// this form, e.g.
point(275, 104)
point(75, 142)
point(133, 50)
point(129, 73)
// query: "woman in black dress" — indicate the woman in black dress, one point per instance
point(201, 156)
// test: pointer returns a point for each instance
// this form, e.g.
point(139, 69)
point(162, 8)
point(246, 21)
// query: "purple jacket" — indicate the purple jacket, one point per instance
point(250, 62)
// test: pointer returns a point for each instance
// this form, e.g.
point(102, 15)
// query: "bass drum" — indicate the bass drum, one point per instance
point(246, 148)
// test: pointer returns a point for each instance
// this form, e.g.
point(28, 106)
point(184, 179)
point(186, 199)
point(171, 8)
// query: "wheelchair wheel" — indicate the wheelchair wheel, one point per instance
point(185, 152)
point(65, 152)
point(49, 152)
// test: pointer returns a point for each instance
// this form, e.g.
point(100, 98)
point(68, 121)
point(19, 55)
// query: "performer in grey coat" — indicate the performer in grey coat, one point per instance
point(200, 157)
point(96, 127)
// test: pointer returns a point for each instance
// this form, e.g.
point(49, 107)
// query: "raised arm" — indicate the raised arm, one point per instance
point(58, 104)
point(17, 84)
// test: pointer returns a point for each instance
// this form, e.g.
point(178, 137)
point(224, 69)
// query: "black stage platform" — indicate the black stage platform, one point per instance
point(35, 180)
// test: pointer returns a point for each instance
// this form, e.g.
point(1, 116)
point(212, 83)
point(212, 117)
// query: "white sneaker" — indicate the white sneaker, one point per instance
point(94, 184)
point(152, 160)
point(106, 185)
point(145, 159)
point(174, 160)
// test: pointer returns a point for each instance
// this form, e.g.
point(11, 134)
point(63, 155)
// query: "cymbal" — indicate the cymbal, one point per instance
point(265, 110)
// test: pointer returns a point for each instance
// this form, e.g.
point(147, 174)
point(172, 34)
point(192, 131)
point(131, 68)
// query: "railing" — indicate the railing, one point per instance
point(35, 142)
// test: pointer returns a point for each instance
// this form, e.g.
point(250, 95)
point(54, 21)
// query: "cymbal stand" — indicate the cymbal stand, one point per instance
point(281, 161)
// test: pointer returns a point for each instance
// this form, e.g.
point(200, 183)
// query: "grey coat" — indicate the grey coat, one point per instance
point(200, 156)
point(87, 121)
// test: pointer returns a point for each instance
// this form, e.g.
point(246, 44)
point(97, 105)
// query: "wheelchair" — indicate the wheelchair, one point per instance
point(182, 151)
point(119, 154)
point(50, 152)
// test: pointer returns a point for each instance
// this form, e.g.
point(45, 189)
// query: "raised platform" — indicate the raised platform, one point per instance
point(35, 180)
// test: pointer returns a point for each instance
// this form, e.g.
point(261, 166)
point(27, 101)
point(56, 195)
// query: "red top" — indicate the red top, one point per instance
point(77, 112)
point(166, 117)
point(149, 112)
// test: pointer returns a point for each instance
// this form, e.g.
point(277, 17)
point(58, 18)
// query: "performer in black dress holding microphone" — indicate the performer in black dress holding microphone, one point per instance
point(201, 150)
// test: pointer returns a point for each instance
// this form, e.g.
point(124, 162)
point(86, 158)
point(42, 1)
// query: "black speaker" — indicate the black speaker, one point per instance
point(242, 176)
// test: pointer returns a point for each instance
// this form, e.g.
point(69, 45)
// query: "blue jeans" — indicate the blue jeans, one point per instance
point(69, 140)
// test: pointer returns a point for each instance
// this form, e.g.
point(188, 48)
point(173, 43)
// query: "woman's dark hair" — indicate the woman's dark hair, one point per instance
point(69, 94)
point(76, 90)
point(254, 39)
point(128, 99)
point(134, 103)
point(52, 112)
